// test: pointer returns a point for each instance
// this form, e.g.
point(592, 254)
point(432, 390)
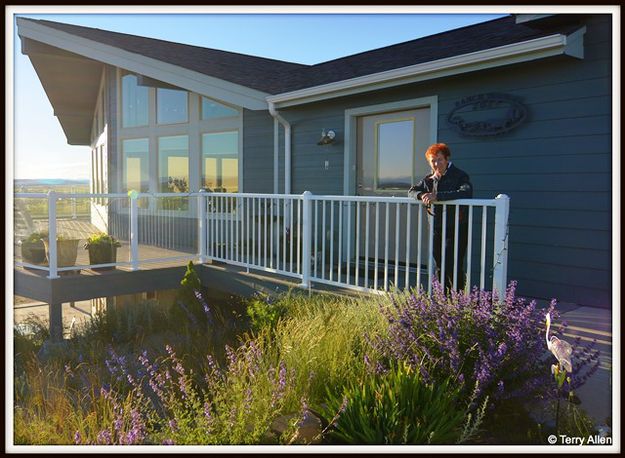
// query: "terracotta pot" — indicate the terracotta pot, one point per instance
point(66, 252)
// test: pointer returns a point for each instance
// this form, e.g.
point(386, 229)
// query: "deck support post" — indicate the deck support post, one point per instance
point(55, 314)
point(306, 239)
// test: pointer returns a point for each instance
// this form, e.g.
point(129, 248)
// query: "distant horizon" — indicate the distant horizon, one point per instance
point(52, 180)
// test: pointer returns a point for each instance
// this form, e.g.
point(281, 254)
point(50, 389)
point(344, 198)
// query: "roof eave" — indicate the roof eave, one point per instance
point(173, 74)
point(480, 60)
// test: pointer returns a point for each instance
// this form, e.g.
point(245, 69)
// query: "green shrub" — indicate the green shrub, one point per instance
point(101, 239)
point(265, 312)
point(397, 408)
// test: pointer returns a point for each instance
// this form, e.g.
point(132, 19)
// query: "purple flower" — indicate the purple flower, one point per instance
point(207, 412)
point(77, 438)
point(168, 442)
point(104, 437)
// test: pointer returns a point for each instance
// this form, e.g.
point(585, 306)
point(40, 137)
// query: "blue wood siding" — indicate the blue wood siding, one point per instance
point(556, 167)
point(257, 151)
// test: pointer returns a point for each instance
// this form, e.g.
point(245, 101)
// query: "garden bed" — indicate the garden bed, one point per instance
point(401, 369)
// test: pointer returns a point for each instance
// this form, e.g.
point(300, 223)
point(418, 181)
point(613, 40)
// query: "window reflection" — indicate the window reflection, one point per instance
point(395, 151)
point(134, 102)
point(214, 110)
point(173, 170)
point(171, 106)
point(220, 154)
point(135, 168)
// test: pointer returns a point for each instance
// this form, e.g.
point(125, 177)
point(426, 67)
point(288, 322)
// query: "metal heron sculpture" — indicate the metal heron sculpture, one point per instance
point(561, 349)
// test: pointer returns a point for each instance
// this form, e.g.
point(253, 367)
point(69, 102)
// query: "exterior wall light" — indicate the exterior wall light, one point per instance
point(327, 138)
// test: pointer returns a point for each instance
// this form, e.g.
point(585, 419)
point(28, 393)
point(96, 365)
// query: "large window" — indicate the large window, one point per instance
point(134, 102)
point(172, 106)
point(173, 169)
point(395, 153)
point(215, 110)
point(220, 161)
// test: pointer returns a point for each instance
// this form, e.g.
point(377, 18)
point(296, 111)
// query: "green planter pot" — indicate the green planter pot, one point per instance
point(34, 252)
point(66, 252)
point(102, 254)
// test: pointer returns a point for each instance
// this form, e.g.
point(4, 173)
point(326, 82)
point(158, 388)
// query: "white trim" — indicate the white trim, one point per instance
point(169, 73)
point(575, 43)
point(522, 18)
point(480, 60)
point(349, 151)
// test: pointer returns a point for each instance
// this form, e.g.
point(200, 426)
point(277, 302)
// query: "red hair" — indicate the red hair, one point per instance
point(436, 148)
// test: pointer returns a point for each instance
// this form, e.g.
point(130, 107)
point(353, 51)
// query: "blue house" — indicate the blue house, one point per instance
point(524, 102)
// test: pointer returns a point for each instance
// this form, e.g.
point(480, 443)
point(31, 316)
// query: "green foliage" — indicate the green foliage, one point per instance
point(130, 323)
point(398, 408)
point(265, 312)
point(36, 237)
point(101, 238)
point(325, 339)
point(305, 350)
point(574, 422)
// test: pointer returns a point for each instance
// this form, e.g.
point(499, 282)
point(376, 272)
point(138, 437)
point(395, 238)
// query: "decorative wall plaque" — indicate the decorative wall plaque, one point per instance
point(487, 114)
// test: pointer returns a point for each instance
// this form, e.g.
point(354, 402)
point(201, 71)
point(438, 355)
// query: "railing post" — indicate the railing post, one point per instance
point(134, 230)
point(201, 225)
point(500, 255)
point(52, 247)
point(306, 239)
point(73, 204)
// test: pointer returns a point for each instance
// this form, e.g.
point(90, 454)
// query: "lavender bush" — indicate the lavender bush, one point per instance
point(496, 344)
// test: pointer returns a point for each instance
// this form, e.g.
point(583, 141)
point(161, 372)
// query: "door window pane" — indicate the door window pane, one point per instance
point(220, 161)
point(173, 170)
point(395, 151)
point(171, 106)
point(212, 110)
point(134, 102)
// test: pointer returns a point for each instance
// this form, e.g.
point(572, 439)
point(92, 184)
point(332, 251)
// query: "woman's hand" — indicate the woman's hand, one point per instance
point(428, 198)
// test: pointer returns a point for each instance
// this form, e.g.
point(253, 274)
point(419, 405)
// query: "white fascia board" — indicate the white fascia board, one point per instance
point(480, 60)
point(209, 86)
point(522, 18)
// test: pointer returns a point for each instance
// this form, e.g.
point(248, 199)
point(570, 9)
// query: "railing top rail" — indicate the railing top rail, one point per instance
point(373, 199)
point(401, 200)
point(34, 195)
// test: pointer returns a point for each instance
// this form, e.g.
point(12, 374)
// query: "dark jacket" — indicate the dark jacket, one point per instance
point(455, 184)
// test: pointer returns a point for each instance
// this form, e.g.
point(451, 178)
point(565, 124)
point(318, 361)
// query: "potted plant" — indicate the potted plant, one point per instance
point(102, 249)
point(33, 248)
point(66, 251)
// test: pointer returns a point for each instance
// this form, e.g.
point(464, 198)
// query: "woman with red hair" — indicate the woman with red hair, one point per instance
point(446, 182)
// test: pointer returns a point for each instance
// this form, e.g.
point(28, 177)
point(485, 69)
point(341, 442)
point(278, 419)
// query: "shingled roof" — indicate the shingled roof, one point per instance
point(275, 76)
point(250, 71)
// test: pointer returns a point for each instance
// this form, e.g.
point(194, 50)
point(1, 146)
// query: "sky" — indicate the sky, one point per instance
point(40, 147)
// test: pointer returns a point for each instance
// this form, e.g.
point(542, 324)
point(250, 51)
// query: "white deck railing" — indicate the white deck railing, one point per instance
point(356, 242)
